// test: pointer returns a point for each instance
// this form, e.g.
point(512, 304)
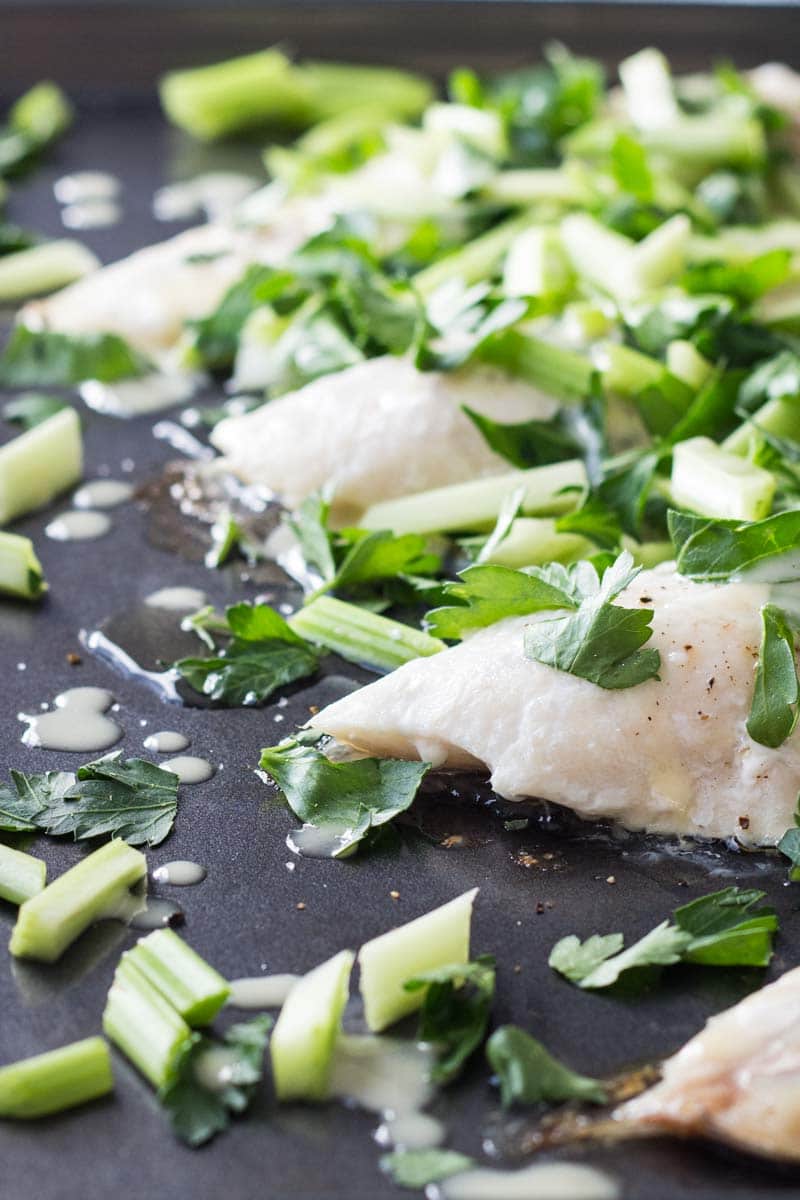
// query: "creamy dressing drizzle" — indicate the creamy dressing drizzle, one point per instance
point(80, 186)
point(156, 914)
point(542, 1181)
point(180, 873)
point(166, 741)
point(77, 722)
point(134, 397)
point(103, 493)
point(79, 526)
point(182, 440)
point(261, 991)
point(189, 768)
point(163, 681)
point(316, 841)
point(411, 1131)
point(382, 1074)
point(177, 599)
point(215, 1068)
point(91, 214)
point(216, 193)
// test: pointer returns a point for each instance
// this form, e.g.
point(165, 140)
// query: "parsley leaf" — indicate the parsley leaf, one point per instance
point(528, 1073)
point(347, 800)
point(775, 379)
point(417, 1168)
point(216, 336)
point(601, 641)
point(131, 799)
point(745, 282)
point(532, 443)
point(263, 653)
point(630, 168)
point(460, 320)
point(489, 593)
point(774, 707)
point(717, 550)
point(309, 523)
point(789, 846)
point(31, 408)
point(455, 1011)
point(46, 359)
point(720, 929)
point(196, 1112)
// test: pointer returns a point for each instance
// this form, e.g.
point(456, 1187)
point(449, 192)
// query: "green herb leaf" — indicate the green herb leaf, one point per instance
point(745, 282)
point(789, 846)
point(531, 443)
point(31, 408)
point(489, 593)
point(575, 959)
point(528, 1073)
point(348, 800)
point(46, 359)
point(455, 1012)
point(417, 1168)
point(197, 1113)
point(774, 707)
point(630, 168)
point(216, 336)
point(309, 523)
point(714, 550)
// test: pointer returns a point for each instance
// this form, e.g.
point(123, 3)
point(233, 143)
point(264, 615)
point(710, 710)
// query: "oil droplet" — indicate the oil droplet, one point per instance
point(157, 914)
point(91, 214)
point(180, 873)
point(178, 599)
point(103, 493)
point(189, 768)
point(411, 1131)
point(78, 526)
point(166, 741)
point(78, 722)
point(86, 185)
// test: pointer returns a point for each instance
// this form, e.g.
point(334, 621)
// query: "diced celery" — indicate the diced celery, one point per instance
point(306, 1031)
point(481, 128)
point(780, 417)
point(361, 636)
point(44, 269)
point(477, 260)
point(649, 554)
point(43, 113)
point(600, 255)
point(21, 875)
point(688, 364)
point(715, 483)
point(553, 369)
point(535, 264)
point(662, 398)
point(561, 185)
point(649, 94)
point(660, 256)
point(387, 962)
point(39, 464)
point(780, 306)
point(184, 979)
point(143, 1024)
point(702, 142)
point(549, 491)
point(740, 243)
point(96, 888)
point(20, 570)
point(55, 1080)
point(535, 540)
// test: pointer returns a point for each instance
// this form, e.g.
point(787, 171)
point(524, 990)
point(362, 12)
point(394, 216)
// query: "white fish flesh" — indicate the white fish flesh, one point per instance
point(736, 1081)
point(671, 756)
point(377, 430)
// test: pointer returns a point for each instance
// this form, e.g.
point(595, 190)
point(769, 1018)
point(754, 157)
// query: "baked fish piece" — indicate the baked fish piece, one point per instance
point(670, 755)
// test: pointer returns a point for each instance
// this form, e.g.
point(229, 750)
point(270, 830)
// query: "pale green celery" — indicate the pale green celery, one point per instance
point(716, 483)
point(662, 398)
point(648, 554)
point(535, 540)
point(649, 93)
point(21, 875)
point(265, 88)
point(661, 256)
point(535, 264)
point(479, 127)
point(708, 140)
point(59, 1079)
point(587, 322)
point(43, 113)
point(688, 364)
point(39, 464)
point(740, 243)
point(474, 506)
point(475, 261)
point(98, 887)
point(780, 306)
point(303, 161)
point(256, 356)
point(563, 185)
point(44, 268)
point(437, 939)
point(306, 1032)
point(194, 989)
point(361, 636)
point(553, 369)
point(780, 417)
point(20, 570)
point(600, 255)
point(143, 1024)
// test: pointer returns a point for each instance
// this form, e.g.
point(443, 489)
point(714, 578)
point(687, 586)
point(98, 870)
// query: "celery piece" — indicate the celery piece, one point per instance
point(39, 464)
point(20, 570)
point(549, 491)
point(523, 187)
point(194, 989)
point(439, 938)
point(661, 398)
point(58, 1079)
point(96, 888)
point(475, 261)
point(553, 369)
point(702, 142)
point(21, 875)
point(648, 554)
point(780, 417)
point(715, 483)
point(305, 1034)
point(599, 255)
point(535, 264)
point(42, 114)
point(661, 256)
point(479, 127)
point(337, 88)
point(361, 636)
point(779, 306)
point(649, 94)
point(688, 364)
point(535, 540)
point(143, 1024)
point(44, 268)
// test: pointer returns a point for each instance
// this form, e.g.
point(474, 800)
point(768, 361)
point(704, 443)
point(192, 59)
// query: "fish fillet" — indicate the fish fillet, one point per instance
point(668, 756)
point(375, 431)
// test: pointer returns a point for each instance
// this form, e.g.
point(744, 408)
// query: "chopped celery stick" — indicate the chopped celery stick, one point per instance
point(715, 483)
point(39, 464)
point(437, 939)
point(42, 114)
point(549, 491)
point(600, 255)
point(562, 185)
point(649, 94)
point(44, 268)
point(535, 264)
point(780, 417)
point(475, 261)
point(780, 306)
point(740, 243)
point(58, 1079)
point(192, 987)
point(702, 142)
point(337, 88)
point(535, 540)
point(553, 369)
point(20, 570)
point(660, 256)
point(307, 1029)
point(96, 888)
point(688, 364)
point(480, 127)
point(662, 398)
point(361, 636)
point(21, 875)
point(648, 554)
point(143, 1024)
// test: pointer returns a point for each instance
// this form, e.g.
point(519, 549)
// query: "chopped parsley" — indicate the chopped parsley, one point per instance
point(527, 1073)
point(455, 1012)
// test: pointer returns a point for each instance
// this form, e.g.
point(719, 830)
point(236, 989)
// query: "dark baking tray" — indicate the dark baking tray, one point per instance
point(245, 918)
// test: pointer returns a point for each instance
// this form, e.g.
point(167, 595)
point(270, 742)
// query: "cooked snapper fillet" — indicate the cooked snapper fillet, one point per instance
point(670, 756)
point(375, 431)
point(738, 1080)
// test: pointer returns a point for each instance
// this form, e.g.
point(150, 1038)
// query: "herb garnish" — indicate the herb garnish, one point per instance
point(528, 1073)
point(455, 1012)
point(46, 359)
